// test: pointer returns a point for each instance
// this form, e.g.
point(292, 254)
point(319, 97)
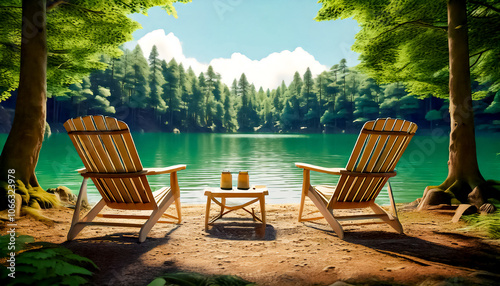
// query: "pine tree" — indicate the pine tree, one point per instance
point(156, 81)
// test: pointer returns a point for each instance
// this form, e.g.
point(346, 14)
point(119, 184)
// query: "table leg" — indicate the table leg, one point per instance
point(263, 212)
point(223, 202)
point(207, 213)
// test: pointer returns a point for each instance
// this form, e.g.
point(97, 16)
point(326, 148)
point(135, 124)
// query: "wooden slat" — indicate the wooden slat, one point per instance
point(368, 187)
point(99, 132)
point(376, 186)
point(114, 175)
point(130, 146)
point(88, 147)
point(357, 147)
point(132, 190)
point(103, 190)
point(147, 189)
point(119, 224)
point(361, 217)
point(347, 189)
point(110, 187)
point(380, 145)
point(389, 145)
point(98, 145)
point(338, 190)
point(411, 128)
point(141, 190)
point(69, 125)
point(109, 144)
point(120, 189)
point(119, 142)
point(366, 153)
point(143, 217)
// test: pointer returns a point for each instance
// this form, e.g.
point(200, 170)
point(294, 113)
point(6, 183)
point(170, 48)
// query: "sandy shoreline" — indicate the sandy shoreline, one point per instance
point(290, 253)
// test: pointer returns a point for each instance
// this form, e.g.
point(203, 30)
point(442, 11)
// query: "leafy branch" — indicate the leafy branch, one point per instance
point(491, 7)
point(416, 23)
point(479, 56)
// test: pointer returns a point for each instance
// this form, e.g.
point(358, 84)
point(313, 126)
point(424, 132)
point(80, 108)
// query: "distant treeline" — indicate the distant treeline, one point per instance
point(158, 96)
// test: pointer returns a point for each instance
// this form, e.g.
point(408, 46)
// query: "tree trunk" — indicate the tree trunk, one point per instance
point(464, 182)
point(23, 144)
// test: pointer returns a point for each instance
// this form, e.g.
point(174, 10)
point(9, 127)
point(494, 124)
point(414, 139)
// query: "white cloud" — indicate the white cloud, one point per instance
point(267, 72)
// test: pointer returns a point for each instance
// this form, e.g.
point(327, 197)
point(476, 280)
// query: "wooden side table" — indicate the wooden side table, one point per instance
point(219, 197)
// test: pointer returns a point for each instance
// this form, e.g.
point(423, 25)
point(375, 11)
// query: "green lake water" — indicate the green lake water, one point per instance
point(269, 158)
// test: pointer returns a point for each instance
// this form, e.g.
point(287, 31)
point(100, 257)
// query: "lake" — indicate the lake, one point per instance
point(269, 159)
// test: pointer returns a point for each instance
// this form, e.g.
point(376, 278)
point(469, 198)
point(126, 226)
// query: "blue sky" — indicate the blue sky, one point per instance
point(245, 33)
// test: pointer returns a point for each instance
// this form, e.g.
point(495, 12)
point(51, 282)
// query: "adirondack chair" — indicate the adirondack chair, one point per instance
point(377, 151)
point(110, 158)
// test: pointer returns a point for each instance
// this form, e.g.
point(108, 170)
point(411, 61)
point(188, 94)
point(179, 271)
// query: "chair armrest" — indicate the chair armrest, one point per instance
point(165, 170)
point(332, 171)
point(81, 170)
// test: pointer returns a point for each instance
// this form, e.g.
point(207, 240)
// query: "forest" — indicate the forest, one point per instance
point(153, 95)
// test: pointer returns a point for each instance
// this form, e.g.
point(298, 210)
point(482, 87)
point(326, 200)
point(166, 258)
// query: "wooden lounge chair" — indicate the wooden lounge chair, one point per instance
point(379, 146)
point(110, 158)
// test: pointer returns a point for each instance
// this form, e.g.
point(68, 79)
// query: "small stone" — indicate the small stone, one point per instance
point(328, 268)
point(168, 263)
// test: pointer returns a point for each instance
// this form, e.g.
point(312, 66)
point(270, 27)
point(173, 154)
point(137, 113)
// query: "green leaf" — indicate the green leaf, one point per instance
point(73, 280)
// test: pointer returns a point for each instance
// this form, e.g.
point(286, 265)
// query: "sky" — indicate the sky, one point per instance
point(268, 40)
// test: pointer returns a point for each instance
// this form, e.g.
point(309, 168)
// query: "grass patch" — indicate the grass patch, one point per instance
point(489, 223)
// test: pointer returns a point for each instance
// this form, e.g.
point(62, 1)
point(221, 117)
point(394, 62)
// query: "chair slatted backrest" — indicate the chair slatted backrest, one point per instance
point(106, 147)
point(379, 147)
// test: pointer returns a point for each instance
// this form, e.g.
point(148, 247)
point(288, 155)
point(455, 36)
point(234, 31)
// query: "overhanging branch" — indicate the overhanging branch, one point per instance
point(485, 5)
point(416, 23)
point(54, 4)
point(11, 46)
point(479, 56)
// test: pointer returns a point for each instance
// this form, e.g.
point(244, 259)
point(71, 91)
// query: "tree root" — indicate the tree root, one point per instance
point(481, 196)
point(33, 200)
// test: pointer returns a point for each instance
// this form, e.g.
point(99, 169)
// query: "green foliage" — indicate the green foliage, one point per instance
point(46, 264)
point(196, 279)
point(407, 41)
point(494, 107)
point(433, 115)
point(341, 98)
point(489, 223)
point(78, 33)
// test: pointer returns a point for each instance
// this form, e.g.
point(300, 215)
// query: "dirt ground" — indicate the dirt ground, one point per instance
point(290, 253)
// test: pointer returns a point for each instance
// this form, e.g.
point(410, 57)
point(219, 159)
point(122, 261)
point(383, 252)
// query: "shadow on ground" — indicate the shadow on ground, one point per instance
point(426, 253)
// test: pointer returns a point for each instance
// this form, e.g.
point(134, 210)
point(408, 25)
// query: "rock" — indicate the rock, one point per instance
point(463, 209)
point(328, 268)
point(66, 196)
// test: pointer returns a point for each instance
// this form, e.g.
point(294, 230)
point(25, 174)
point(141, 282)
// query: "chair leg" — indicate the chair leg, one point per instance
point(178, 208)
point(207, 211)
point(79, 225)
point(301, 207)
point(75, 226)
point(327, 213)
point(174, 185)
point(156, 215)
point(392, 221)
point(305, 187)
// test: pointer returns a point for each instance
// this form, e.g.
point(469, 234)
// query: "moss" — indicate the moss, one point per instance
point(33, 199)
point(44, 199)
